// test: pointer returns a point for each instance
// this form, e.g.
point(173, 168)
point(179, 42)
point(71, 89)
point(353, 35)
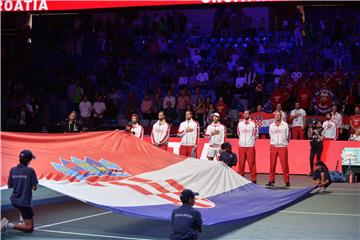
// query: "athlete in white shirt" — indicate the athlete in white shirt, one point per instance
point(216, 133)
point(189, 132)
point(247, 131)
point(283, 114)
point(279, 140)
point(298, 116)
point(329, 126)
point(136, 129)
point(337, 118)
point(85, 108)
point(160, 132)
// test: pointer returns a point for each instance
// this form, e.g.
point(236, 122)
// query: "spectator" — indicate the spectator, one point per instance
point(250, 76)
point(355, 136)
point(298, 34)
point(278, 72)
point(147, 106)
point(304, 96)
point(196, 58)
point(329, 127)
point(170, 113)
point(240, 80)
point(298, 117)
point(32, 110)
point(194, 97)
point(169, 98)
point(130, 104)
point(259, 92)
point(208, 116)
point(202, 77)
point(337, 118)
point(296, 75)
point(279, 109)
point(183, 79)
point(85, 108)
point(157, 103)
point(350, 101)
point(222, 109)
point(182, 102)
point(199, 110)
point(22, 117)
point(277, 97)
point(78, 94)
point(99, 109)
point(355, 120)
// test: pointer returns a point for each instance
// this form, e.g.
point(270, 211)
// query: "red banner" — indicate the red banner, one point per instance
point(55, 5)
point(299, 153)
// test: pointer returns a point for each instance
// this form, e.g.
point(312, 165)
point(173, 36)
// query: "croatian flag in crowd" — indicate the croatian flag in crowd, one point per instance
point(117, 171)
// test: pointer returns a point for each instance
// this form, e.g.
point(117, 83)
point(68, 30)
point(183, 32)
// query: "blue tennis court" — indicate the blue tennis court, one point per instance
point(334, 214)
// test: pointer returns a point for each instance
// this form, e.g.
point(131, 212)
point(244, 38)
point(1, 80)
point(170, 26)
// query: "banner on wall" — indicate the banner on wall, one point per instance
point(117, 171)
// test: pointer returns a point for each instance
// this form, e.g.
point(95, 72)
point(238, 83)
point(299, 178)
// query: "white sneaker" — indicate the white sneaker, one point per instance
point(322, 190)
point(4, 224)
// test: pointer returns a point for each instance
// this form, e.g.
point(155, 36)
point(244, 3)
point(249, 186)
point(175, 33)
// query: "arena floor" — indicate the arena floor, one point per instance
point(334, 214)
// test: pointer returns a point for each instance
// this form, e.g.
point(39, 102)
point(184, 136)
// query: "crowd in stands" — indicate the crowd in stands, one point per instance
point(142, 63)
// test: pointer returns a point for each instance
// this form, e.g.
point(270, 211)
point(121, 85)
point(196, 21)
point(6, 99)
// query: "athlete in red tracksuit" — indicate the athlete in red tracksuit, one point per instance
point(279, 139)
point(189, 132)
point(160, 132)
point(247, 132)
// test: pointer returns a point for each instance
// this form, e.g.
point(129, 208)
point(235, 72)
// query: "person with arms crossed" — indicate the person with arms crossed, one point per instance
point(298, 116)
point(279, 140)
point(160, 132)
point(247, 132)
point(329, 126)
point(186, 222)
point(216, 133)
point(136, 129)
point(23, 180)
point(189, 132)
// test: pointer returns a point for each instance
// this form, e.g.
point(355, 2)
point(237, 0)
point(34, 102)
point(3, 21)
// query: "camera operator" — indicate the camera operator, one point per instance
point(227, 156)
point(316, 144)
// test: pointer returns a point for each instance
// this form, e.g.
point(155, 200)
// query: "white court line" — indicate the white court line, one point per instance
point(322, 213)
point(92, 235)
point(349, 194)
point(73, 220)
point(342, 189)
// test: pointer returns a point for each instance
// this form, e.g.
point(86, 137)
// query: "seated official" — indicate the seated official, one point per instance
point(71, 125)
point(321, 175)
point(227, 156)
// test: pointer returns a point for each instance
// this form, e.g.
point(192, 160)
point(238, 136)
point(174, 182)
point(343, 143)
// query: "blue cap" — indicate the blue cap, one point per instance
point(187, 194)
point(27, 154)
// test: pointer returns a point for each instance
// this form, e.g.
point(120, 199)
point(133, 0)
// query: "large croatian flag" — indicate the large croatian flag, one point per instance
point(116, 171)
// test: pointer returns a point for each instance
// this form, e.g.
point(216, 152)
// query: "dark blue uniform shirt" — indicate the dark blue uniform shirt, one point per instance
point(229, 158)
point(22, 179)
point(186, 222)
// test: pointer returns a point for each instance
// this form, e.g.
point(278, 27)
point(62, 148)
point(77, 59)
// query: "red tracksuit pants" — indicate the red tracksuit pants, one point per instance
point(247, 153)
point(282, 152)
point(187, 151)
point(164, 147)
point(297, 133)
